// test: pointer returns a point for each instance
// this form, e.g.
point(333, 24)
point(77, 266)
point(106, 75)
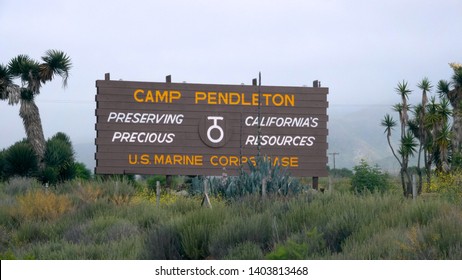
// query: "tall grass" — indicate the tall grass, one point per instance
point(109, 220)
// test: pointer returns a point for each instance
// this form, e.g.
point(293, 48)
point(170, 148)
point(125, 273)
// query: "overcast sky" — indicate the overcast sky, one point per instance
point(359, 49)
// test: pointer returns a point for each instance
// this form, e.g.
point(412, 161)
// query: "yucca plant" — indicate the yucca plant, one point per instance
point(59, 160)
point(32, 74)
point(452, 90)
point(19, 160)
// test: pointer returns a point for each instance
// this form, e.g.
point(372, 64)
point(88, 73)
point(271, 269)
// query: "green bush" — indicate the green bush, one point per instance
point(31, 232)
point(384, 244)
point(441, 238)
point(196, 230)
point(369, 179)
point(301, 246)
point(245, 251)
point(163, 243)
point(5, 238)
point(82, 220)
point(151, 182)
point(20, 160)
point(117, 192)
point(447, 184)
point(59, 160)
point(20, 185)
point(341, 173)
point(256, 228)
point(81, 171)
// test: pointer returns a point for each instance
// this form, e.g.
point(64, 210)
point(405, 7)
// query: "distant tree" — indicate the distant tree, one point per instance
point(407, 147)
point(403, 90)
point(368, 178)
point(421, 132)
point(430, 124)
point(452, 90)
point(342, 172)
point(32, 75)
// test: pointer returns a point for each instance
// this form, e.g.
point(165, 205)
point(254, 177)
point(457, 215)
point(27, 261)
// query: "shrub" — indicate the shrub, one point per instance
point(256, 228)
point(245, 251)
point(117, 192)
point(126, 249)
point(42, 205)
point(369, 179)
point(59, 160)
point(182, 205)
point(88, 193)
point(163, 243)
point(441, 238)
point(119, 230)
point(20, 160)
point(447, 184)
point(195, 231)
point(300, 246)
point(31, 232)
point(144, 214)
point(152, 182)
point(81, 171)
point(5, 238)
point(21, 185)
point(341, 173)
point(383, 244)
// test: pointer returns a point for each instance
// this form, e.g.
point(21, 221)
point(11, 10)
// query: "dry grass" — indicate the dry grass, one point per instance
point(42, 205)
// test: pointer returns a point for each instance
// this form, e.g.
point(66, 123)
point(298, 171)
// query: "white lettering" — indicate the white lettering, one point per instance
point(287, 140)
point(112, 115)
point(145, 118)
point(143, 137)
point(282, 121)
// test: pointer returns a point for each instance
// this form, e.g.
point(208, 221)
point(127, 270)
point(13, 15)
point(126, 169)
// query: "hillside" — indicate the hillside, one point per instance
point(359, 135)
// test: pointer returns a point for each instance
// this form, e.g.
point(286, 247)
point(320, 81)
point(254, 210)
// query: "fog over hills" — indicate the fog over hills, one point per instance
point(358, 135)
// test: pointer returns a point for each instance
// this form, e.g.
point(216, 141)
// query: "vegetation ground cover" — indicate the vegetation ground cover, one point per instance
point(117, 220)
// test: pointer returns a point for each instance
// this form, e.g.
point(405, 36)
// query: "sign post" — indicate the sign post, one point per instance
point(202, 129)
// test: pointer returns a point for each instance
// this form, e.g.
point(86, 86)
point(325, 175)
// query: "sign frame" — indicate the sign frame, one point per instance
point(208, 129)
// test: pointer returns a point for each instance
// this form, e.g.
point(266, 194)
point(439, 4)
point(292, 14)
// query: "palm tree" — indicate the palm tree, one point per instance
point(403, 90)
point(453, 91)
point(389, 123)
point(32, 75)
point(440, 134)
point(408, 145)
point(443, 142)
point(420, 112)
point(407, 149)
point(8, 90)
point(444, 137)
point(416, 126)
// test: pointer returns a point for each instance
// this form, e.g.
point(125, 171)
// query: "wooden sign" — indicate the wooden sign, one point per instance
point(207, 129)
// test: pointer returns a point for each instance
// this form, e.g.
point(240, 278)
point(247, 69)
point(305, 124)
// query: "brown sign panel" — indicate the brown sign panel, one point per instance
point(204, 129)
